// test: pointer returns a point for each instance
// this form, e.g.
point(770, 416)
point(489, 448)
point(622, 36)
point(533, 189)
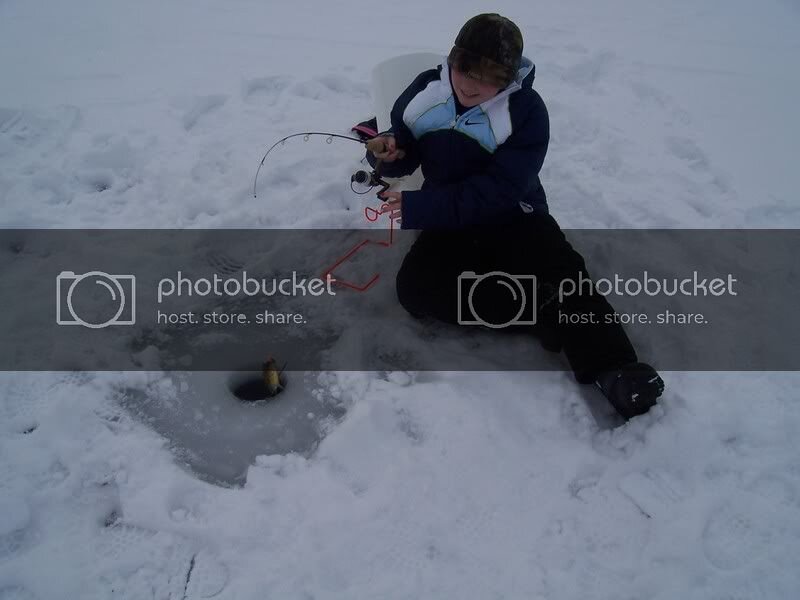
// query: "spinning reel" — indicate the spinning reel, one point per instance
point(363, 182)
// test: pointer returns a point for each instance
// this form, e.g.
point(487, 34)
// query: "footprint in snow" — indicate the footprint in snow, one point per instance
point(23, 129)
point(653, 97)
point(321, 88)
point(265, 89)
point(200, 108)
point(687, 150)
point(590, 73)
point(112, 163)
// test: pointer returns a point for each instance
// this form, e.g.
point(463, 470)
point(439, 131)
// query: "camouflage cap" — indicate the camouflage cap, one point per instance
point(489, 48)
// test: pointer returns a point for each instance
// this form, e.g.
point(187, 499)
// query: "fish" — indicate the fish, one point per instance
point(272, 377)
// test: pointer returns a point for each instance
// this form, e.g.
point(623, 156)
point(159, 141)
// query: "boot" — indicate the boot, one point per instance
point(632, 389)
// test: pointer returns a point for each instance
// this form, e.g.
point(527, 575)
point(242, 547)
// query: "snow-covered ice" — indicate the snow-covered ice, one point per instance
point(391, 484)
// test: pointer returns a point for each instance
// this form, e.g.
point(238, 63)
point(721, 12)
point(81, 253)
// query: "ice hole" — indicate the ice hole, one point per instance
point(217, 436)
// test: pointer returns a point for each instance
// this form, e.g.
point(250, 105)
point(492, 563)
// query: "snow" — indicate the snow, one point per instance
point(397, 485)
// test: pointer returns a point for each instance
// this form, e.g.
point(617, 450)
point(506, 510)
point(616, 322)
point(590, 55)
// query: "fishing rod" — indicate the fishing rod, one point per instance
point(369, 180)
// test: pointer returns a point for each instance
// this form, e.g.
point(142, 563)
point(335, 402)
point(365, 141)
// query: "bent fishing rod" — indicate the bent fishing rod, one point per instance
point(367, 180)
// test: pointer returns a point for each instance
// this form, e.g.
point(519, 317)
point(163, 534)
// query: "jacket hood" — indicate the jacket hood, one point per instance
point(526, 73)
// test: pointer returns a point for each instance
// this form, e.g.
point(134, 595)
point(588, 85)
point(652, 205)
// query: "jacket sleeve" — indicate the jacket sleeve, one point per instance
point(511, 174)
point(402, 134)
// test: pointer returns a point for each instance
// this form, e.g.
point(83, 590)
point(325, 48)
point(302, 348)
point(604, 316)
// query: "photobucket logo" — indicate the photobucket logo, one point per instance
point(95, 299)
point(249, 286)
point(652, 286)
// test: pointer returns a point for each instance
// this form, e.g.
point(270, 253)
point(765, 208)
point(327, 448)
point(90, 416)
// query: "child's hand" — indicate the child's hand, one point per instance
point(385, 148)
point(394, 203)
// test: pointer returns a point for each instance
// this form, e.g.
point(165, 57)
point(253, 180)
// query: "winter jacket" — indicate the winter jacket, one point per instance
point(480, 167)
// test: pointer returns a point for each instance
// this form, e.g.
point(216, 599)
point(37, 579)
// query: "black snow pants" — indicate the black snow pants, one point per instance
point(428, 285)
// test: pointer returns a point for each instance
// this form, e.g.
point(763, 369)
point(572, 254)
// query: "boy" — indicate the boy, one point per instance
point(480, 133)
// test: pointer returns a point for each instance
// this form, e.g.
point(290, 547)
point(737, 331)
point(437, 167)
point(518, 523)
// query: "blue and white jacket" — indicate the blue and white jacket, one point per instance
point(480, 168)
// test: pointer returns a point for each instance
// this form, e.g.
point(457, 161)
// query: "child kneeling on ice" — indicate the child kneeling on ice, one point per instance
point(480, 133)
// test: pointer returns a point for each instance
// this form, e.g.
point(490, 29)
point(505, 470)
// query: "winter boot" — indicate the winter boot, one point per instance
point(631, 389)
